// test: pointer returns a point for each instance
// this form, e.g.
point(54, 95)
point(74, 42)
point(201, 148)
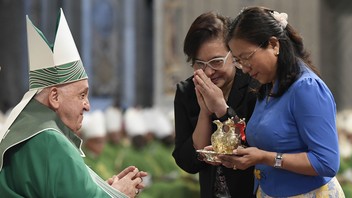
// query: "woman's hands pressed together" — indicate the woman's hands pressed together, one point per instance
point(210, 97)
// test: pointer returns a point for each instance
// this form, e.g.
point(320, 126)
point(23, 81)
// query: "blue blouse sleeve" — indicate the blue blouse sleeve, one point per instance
point(314, 110)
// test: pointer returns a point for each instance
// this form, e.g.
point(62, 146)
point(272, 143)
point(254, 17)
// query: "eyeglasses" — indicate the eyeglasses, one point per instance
point(215, 63)
point(240, 62)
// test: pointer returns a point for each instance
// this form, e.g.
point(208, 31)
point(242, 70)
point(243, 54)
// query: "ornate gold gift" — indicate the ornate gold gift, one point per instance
point(225, 139)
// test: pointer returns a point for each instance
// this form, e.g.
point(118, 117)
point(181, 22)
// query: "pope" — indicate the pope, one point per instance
point(40, 151)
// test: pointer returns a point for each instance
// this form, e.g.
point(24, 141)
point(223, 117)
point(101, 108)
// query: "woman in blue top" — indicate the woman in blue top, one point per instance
point(292, 132)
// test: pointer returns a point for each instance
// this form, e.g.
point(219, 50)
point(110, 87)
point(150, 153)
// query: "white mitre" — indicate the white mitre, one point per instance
point(113, 119)
point(158, 122)
point(93, 125)
point(49, 65)
point(134, 122)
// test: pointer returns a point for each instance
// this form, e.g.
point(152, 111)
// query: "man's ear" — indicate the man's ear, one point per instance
point(53, 98)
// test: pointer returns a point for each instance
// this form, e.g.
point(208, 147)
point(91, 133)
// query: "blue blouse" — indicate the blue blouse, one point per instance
point(301, 120)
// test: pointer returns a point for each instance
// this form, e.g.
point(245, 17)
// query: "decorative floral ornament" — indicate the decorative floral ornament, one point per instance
point(281, 18)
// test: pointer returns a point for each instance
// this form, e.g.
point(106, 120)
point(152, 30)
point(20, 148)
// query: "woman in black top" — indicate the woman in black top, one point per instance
point(213, 92)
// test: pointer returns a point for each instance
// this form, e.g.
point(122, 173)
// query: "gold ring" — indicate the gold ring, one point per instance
point(234, 167)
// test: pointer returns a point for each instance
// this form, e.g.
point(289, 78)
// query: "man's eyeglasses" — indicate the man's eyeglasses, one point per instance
point(215, 63)
point(240, 62)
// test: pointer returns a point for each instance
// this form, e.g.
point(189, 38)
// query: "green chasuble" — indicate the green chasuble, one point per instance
point(41, 157)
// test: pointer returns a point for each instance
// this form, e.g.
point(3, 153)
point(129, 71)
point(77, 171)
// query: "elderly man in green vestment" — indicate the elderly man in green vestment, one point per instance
point(40, 152)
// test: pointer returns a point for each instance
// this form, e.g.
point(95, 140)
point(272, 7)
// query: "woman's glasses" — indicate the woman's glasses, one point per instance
point(240, 62)
point(215, 63)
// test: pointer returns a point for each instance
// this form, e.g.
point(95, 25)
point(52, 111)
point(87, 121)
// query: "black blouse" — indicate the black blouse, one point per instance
point(242, 100)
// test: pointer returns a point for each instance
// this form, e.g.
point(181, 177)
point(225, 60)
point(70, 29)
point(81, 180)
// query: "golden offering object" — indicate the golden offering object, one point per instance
point(225, 139)
point(225, 142)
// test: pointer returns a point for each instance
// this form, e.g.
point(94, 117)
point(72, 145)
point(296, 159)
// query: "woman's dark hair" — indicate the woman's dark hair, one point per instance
point(256, 25)
point(207, 26)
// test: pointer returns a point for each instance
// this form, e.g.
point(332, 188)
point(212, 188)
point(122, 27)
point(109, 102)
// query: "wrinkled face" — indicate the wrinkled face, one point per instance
point(73, 101)
point(214, 49)
point(260, 63)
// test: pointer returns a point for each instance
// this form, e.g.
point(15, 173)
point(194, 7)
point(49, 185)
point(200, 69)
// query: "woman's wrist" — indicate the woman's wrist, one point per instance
point(229, 113)
point(268, 158)
point(221, 111)
point(204, 113)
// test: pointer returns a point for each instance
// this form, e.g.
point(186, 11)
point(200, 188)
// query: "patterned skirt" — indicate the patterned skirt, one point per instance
point(330, 190)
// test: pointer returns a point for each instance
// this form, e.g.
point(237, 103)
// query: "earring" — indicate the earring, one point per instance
point(277, 53)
